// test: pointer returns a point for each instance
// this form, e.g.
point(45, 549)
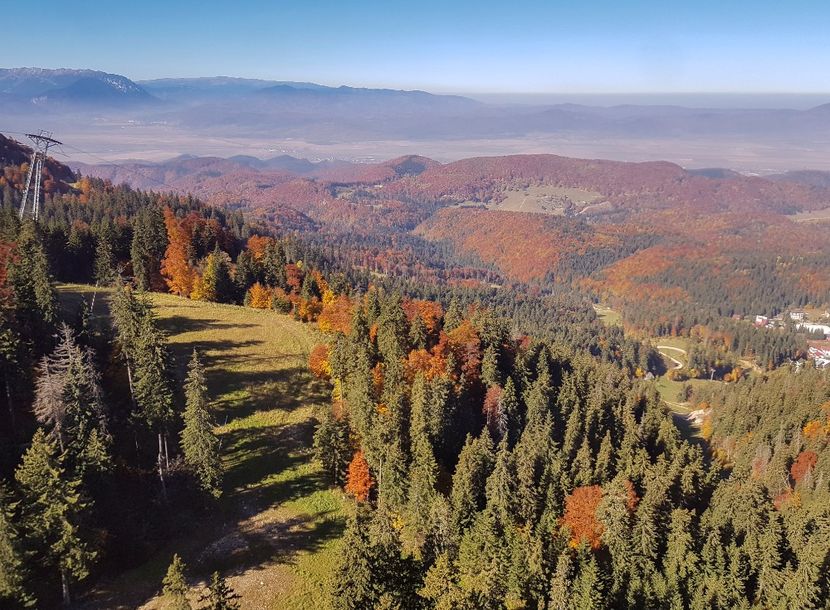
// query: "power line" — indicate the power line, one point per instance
point(42, 141)
point(130, 170)
point(119, 165)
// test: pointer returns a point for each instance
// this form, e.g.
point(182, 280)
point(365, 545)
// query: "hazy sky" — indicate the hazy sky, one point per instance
point(484, 46)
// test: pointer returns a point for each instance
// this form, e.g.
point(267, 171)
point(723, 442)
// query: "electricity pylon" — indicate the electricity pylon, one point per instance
point(43, 141)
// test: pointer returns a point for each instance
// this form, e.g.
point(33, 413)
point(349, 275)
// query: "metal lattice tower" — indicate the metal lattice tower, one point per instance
point(42, 141)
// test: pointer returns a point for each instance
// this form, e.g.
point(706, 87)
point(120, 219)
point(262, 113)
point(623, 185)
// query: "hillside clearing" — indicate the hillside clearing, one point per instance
point(553, 200)
point(274, 533)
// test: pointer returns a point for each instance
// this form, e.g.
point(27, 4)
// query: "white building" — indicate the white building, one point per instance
point(809, 326)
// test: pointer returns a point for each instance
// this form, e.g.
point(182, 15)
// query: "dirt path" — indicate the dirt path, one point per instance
point(677, 363)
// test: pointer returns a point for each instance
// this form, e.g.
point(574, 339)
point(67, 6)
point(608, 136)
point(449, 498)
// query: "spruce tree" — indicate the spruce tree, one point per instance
point(36, 301)
point(218, 286)
point(418, 333)
point(220, 596)
point(333, 447)
point(453, 316)
point(12, 570)
point(490, 373)
point(198, 440)
point(105, 255)
point(588, 592)
point(52, 510)
point(353, 584)
point(273, 266)
point(148, 247)
point(69, 402)
point(174, 585)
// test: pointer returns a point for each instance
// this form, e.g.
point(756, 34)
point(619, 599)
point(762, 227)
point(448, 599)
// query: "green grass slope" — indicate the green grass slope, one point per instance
point(275, 533)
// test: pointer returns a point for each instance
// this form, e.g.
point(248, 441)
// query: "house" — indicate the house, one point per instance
point(799, 315)
point(761, 320)
point(820, 355)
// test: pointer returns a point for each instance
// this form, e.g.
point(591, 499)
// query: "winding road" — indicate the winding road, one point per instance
point(677, 363)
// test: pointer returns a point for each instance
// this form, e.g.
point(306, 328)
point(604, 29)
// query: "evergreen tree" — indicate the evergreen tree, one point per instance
point(147, 249)
point(353, 584)
point(105, 261)
point(245, 275)
point(36, 302)
point(220, 596)
point(273, 266)
point(468, 483)
point(588, 592)
point(174, 585)
point(198, 440)
point(453, 316)
point(216, 278)
point(69, 402)
point(51, 511)
point(12, 570)
point(333, 447)
point(418, 333)
point(490, 373)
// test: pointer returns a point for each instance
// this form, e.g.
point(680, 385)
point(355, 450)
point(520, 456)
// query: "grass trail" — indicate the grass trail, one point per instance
point(275, 532)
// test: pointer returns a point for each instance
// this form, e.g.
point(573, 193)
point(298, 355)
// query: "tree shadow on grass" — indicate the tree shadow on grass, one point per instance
point(176, 325)
point(265, 464)
point(272, 543)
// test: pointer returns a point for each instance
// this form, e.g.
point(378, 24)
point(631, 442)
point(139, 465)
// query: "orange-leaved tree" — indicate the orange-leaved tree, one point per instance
point(259, 297)
point(359, 480)
point(581, 516)
point(176, 268)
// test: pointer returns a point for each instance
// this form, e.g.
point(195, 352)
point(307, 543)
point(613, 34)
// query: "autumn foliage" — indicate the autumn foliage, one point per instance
point(359, 480)
point(803, 464)
point(318, 361)
point(581, 516)
point(259, 297)
point(176, 267)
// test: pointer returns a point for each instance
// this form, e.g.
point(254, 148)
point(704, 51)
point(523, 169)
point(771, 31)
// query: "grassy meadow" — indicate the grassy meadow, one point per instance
point(275, 532)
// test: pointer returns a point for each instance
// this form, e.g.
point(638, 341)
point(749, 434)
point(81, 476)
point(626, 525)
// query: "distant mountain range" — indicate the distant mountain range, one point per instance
point(38, 87)
point(213, 110)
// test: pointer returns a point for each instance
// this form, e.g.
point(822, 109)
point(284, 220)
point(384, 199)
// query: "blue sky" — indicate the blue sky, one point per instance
point(473, 47)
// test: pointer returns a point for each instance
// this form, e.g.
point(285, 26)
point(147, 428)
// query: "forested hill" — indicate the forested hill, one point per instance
point(497, 445)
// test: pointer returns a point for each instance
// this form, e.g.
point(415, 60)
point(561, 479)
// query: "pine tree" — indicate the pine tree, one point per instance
point(353, 584)
point(147, 248)
point(36, 300)
point(333, 448)
point(174, 585)
point(273, 266)
point(501, 486)
point(105, 255)
point(418, 333)
point(69, 402)
point(217, 285)
point(52, 510)
point(245, 275)
point(604, 465)
point(220, 596)
point(454, 316)
point(468, 483)
point(588, 591)
point(441, 586)
point(484, 562)
point(198, 440)
point(423, 474)
point(12, 571)
point(490, 373)
point(562, 583)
